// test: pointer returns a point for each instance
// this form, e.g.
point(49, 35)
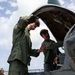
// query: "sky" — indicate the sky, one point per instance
point(10, 11)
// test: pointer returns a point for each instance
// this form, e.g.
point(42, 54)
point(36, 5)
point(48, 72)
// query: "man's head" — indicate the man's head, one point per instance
point(33, 22)
point(44, 33)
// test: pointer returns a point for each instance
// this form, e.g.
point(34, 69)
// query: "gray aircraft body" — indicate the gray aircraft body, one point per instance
point(61, 23)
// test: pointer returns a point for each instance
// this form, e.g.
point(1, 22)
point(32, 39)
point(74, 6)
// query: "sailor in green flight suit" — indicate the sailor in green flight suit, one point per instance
point(50, 51)
point(19, 58)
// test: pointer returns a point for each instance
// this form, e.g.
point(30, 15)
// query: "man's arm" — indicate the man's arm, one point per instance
point(22, 23)
point(55, 45)
point(35, 52)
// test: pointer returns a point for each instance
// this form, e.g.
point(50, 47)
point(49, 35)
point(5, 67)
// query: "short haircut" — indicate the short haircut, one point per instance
point(34, 19)
point(43, 31)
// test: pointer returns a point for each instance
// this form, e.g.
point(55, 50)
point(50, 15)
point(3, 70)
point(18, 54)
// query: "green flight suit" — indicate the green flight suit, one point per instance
point(21, 49)
point(50, 53)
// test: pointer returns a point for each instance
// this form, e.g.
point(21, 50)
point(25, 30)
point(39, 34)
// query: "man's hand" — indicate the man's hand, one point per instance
point(42, 48)
point(55, 60)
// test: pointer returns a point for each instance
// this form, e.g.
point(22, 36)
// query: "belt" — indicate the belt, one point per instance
point(48, 62)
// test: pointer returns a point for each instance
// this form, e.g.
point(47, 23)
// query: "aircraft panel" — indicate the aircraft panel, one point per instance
point(61, 22)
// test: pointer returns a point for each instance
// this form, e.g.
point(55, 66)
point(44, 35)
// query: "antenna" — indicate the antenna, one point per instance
point(56, 2)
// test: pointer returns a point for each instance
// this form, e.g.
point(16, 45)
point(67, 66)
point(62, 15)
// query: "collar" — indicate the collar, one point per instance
point(27, 30)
